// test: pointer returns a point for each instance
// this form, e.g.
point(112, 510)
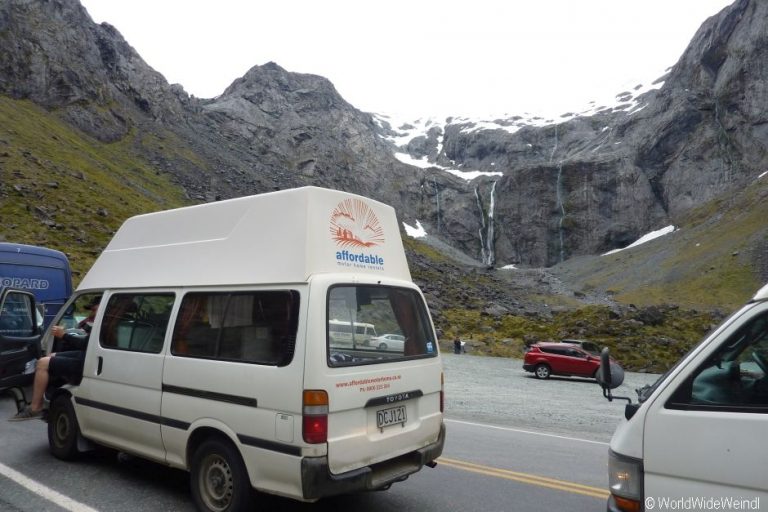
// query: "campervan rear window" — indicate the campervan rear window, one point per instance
point(369, 324)
point(254, 327)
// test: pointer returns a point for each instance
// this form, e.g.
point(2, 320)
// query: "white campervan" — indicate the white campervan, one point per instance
point(696, 439)
point(211, 350)
point(349, 333)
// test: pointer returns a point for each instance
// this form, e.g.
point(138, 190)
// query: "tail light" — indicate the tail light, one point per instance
point(315, 416)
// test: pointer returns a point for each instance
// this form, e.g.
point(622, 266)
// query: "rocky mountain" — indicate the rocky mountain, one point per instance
point(270, 129)
point(592, 182)
point(529, 192)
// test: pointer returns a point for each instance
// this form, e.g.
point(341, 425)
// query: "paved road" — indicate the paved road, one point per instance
point(518, 463)
point(497, 391)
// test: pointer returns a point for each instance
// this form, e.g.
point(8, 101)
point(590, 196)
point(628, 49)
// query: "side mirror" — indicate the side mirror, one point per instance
point(610, 376)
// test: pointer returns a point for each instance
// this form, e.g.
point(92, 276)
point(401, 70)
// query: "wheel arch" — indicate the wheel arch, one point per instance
point(204, 432)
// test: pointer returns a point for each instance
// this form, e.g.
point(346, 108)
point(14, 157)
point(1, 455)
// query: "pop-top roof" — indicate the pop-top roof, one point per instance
point(278, 237)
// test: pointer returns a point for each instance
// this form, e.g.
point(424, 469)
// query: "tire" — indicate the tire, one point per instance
point(542, 371)
point(219, 479)
point(63, 429)
point(382, 346)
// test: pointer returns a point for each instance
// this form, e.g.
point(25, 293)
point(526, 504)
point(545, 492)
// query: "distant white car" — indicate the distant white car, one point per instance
point(393, 342)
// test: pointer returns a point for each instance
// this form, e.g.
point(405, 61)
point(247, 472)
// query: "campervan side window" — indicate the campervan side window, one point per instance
point(253, 327)
point(136, 322)
point(369, 324)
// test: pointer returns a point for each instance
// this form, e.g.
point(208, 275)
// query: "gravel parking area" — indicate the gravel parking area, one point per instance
point(498, 391)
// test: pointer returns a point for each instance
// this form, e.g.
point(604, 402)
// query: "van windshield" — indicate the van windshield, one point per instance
point(369, 324)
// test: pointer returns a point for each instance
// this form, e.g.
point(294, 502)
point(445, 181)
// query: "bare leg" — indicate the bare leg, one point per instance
point(40, 383)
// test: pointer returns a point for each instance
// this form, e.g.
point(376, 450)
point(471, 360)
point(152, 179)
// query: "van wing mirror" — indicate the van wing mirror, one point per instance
point(604, 374)
point(610, 376)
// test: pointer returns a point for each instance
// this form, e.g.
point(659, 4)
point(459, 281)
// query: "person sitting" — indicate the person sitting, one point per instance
point(67, 364)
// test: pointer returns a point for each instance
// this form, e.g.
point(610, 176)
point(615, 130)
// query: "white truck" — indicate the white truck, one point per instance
point(695, 440)
point(212, 350)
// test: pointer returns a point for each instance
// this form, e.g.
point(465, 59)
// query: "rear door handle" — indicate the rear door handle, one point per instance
point(100, 365)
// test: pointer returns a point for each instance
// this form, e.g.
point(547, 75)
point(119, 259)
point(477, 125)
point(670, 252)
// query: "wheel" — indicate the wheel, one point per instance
point(218, 478)
point(542, 371)
point(382, 346)
point(63, 429)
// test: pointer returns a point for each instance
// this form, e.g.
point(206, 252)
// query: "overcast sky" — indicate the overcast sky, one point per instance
point(416, 58)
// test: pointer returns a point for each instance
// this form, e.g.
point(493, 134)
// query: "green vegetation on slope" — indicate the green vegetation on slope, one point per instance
point(715, 260)
point(62, 189)
point(650, 339)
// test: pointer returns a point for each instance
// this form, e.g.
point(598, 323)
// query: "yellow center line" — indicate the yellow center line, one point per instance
point(541, 481)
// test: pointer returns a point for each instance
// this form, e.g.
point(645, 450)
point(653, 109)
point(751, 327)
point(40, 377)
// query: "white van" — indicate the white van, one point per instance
point(350, 333)
point(211, 352)
point(696, 439)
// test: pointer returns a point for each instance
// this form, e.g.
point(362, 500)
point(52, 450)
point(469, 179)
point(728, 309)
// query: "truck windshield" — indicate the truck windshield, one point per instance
point(369, 324)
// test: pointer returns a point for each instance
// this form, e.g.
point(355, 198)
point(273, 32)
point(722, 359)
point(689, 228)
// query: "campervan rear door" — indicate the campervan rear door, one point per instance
point(381, 403)
point(19, 338)
point(380, 412)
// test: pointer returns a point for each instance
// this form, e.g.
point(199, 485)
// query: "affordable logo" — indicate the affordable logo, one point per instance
point(354, 224)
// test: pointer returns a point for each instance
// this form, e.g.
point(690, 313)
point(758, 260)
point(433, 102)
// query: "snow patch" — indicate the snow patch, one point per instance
point(645, 238)
point(423, 163)
point(415, 232)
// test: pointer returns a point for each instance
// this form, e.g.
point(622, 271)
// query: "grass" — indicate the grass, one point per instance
point(65, 190)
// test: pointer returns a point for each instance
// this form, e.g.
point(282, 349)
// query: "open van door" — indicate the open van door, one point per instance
point(19, 338)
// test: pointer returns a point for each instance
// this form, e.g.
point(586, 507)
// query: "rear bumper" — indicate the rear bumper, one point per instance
point(529, 367)
point(317, 481)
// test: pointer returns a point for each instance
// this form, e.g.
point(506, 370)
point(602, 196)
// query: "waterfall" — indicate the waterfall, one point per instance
point(486, 231)
point(489, 240)
point(561, 207)
point(437, 202)
point(554, 148)
point(481, 231)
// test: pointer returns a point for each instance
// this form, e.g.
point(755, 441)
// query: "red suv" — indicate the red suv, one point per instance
point(545, 359)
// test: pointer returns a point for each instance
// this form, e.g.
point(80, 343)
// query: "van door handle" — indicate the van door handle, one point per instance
point(101, 363)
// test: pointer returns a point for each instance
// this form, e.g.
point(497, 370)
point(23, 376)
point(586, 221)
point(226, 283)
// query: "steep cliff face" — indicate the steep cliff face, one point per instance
point(545, 191)
point(53, 54)
point(590, 183)
point(270, 129)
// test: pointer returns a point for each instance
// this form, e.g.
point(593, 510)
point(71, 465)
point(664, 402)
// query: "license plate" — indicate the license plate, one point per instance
point(391, 416)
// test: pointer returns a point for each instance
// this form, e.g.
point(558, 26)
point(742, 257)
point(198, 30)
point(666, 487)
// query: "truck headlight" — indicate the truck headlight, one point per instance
point(625, 481)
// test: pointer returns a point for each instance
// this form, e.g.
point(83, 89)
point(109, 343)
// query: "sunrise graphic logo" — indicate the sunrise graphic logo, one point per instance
point(354, 224)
